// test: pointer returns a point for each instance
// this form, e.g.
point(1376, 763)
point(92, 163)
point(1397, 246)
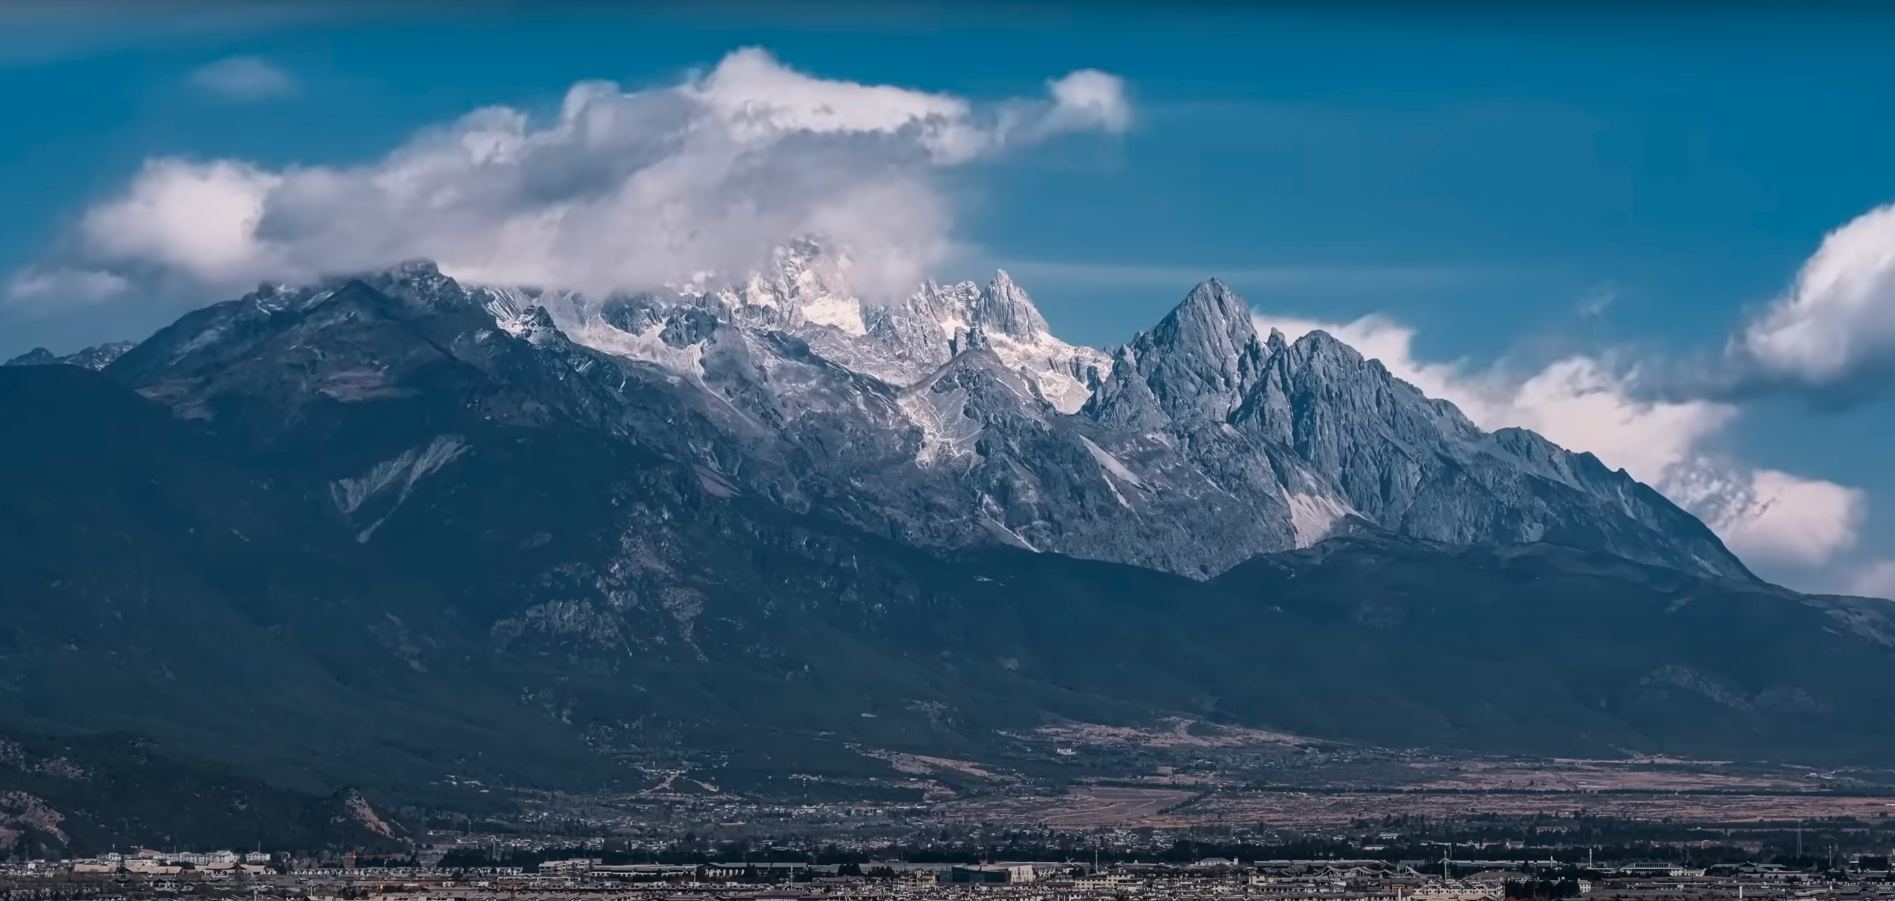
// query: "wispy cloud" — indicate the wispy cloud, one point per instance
point(38, 32)
point(63, 287)
point(243, 79)
point(1597, 301)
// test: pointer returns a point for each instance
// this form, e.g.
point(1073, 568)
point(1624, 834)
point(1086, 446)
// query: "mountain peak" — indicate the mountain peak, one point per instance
point(1212, 318)
point(807, 247)
point(810, 257)
point(805, 284)
point(415, 267)
point(1194, 367)
point(38, 356)
point(1205, 355)
point(1212, 308)
point(1318, 344)
point(1276, 343)
point(1005, 307)
point(1214, 297)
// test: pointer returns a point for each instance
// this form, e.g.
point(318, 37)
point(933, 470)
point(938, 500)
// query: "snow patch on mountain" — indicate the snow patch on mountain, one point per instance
point(843, 314)
point(648, 346)
point(1312, 516)
point(506, 306)
point(403, 471)
point(805, 285)
point(1060, 370)
point(946, 432)
point(1110, 463)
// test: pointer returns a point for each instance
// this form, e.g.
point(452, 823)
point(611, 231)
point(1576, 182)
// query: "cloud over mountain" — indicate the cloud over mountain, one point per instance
point(620, 190)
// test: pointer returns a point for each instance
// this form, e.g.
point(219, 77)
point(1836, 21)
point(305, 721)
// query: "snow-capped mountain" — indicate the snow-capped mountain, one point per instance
point(949, 418)
point(805, 294)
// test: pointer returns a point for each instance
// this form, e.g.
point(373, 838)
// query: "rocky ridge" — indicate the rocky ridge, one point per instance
point(953, 417)
point(94, 358)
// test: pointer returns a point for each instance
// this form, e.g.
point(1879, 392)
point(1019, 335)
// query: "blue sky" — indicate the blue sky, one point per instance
point(1505, 191)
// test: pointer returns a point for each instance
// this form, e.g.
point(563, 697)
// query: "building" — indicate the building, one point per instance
point(1659, 870)
point(982, 874)
point(575, 867)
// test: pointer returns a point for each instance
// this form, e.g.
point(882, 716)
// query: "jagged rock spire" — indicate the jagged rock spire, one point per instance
point(1005, 307)
point(1195, 366)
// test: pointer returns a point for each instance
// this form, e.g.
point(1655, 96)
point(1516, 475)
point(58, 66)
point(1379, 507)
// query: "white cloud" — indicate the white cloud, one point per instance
point(63, 286)
point(758, 100)
point(243, 78)
point(1089, 99)
point(1837, 324)
point(1876, 580)
point(197, 217)
point(620, 191)
point(1587, 403)
point(1767, 515)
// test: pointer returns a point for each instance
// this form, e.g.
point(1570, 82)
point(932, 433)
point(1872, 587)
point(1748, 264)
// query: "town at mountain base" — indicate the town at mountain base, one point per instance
point(398, 533)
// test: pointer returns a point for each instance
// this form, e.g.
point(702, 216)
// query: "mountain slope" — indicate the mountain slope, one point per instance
point(1536, 646)
point(466, 574)
point(158, 583)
